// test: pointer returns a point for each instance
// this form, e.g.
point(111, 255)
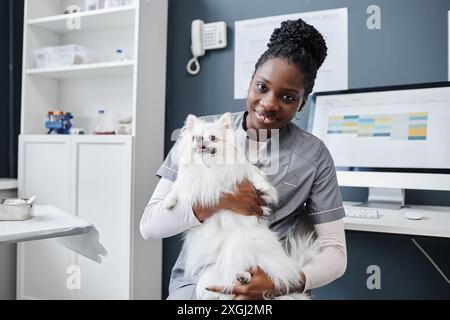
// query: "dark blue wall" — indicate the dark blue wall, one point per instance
point(11, 29)
point(411, 47)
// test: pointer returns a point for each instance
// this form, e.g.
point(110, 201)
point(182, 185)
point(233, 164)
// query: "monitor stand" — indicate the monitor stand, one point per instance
point(385, 198)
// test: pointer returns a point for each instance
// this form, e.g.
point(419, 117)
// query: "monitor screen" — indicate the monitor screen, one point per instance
point(389, 129)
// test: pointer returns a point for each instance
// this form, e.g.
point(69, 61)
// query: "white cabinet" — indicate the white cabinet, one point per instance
point(89, 177)
point(44, 164)
point(101, 179)
point(105, 180)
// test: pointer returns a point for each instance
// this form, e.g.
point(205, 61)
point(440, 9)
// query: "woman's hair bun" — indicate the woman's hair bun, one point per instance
point(299, 34)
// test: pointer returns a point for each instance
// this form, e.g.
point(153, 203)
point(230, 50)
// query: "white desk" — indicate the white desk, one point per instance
point(435, 223)
point(50, 222)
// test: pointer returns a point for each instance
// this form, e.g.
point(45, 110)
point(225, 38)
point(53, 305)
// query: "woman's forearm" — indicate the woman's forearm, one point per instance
point(331, 262)
point(157, 222)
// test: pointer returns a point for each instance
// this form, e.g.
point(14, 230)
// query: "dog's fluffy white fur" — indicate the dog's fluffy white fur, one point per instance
point(228, 245)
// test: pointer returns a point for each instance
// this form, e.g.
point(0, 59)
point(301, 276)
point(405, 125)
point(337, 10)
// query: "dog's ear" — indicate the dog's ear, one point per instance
point(190, 122)
point(226, 120)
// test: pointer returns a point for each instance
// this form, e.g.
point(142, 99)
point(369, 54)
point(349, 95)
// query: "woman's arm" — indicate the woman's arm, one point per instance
point(331, 262)
point(157, 222)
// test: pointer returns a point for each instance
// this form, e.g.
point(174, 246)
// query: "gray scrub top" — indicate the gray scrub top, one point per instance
point(305, 180)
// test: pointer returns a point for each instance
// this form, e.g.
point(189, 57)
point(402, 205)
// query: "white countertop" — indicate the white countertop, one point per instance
point(435, 223)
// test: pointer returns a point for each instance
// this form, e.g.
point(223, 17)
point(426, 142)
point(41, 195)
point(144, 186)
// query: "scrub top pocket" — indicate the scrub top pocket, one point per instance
point(297, 183)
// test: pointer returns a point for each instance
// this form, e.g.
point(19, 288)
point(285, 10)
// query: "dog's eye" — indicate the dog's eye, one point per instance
point(212, 138)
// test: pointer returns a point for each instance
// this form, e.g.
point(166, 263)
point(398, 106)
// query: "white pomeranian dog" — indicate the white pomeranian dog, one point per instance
point(227, 245)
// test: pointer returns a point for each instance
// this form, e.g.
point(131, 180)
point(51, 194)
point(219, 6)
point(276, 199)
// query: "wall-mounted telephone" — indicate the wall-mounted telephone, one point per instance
point(205, 36)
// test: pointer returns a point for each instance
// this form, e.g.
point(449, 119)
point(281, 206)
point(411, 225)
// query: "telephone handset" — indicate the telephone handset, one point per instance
point(197, 48)
point(205, 37)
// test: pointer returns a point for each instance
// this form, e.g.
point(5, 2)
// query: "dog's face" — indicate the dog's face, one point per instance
point(208, 142)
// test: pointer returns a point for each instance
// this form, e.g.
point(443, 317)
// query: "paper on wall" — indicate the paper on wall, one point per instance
point(252, 36)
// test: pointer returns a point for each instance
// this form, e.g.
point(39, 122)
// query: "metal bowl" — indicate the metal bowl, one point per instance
point(15, 210)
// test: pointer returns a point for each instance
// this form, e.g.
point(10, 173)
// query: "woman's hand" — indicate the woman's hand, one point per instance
point(260, 287)
point(245, 201)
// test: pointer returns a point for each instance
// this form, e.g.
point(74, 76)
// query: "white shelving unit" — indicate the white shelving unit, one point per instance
point(105, 180)
point(93, 70)
point(119, 17)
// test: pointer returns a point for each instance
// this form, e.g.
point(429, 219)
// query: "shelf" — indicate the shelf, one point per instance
point(118, 17)
point(83, 137)
point(93, 70)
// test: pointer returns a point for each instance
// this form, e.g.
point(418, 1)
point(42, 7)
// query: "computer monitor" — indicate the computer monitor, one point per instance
point(387, 138)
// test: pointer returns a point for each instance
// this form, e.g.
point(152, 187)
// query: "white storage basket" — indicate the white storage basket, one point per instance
point(51, 57)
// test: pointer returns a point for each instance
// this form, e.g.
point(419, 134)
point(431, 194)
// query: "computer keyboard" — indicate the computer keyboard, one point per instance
point(361, 212)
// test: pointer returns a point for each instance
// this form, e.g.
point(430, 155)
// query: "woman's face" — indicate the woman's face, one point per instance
point(275, 94)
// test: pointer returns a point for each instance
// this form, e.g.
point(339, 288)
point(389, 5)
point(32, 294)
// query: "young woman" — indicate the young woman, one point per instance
point(305, 180)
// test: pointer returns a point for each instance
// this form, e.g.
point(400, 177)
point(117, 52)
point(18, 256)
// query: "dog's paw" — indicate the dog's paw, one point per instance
point(243, 277)
point(264, 189)
point(169, 202)
point(266, 211)
point(269, 195)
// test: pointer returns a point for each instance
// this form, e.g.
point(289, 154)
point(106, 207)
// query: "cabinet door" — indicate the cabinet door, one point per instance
point(101, 169)
point(44, 164)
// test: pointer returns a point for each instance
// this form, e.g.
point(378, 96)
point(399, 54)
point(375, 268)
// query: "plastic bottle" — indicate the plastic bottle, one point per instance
point(120, 55)
point(113, 3)
point(102, 126)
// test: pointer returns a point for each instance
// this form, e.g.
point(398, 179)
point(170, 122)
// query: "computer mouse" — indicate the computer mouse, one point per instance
point(413, 215)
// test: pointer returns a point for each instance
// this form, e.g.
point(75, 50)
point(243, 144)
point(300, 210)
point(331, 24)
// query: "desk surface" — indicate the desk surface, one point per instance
point(48, 222)
point(435, 223)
